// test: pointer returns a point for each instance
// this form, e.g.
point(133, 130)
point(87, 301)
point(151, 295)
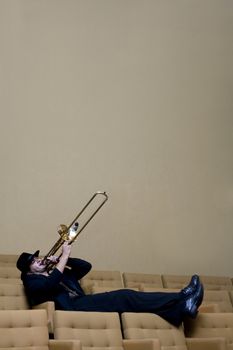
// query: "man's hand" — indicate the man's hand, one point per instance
point(53, 259)
point(66, 249)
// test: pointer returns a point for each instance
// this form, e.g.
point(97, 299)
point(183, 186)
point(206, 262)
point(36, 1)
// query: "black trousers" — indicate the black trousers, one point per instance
point(169, 306)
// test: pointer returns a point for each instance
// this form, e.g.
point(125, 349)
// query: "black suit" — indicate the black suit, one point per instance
point(41, 288)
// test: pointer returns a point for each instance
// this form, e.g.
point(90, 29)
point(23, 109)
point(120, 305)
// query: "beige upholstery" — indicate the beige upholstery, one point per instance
point(9, 259)
point(10, 280)
point(145, 325)
point(175, 281)
point(217, 283)
point(209, 308)
point(219, 297)
point(12, 297)
point(98, 278)
point(9, 274)
point(27, 329)
point(206, 343)
point(49, 307)
point(95, 330)
point(141, 280)
point(150, 326)
point(211, 325)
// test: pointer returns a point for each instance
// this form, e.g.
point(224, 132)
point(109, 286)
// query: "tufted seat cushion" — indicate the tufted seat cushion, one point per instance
point(211, 325)
point(219, 297)
point(12, 297)
point(8, 259)
point(9, 274)
point(147, 326)
point(142, 280)
point(99, 278)
point(94, 329)
point(217, 283)
point(175, 281)
point(25, 329)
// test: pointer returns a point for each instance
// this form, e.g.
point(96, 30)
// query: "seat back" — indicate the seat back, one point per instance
point(23, 329)
point(10, 274)
point(8, 259)
point(217, 283)
point(141, 280)
point(150, 326)
point(175, 281)
point(220, 297)
point(12, 297)
point(99, 278)
point(211, 325)
point(100, 330)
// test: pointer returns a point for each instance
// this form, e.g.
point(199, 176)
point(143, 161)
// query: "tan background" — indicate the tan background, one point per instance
point(133, 97)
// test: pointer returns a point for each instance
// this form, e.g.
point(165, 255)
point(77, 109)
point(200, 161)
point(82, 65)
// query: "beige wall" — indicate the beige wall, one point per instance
point(133, 97)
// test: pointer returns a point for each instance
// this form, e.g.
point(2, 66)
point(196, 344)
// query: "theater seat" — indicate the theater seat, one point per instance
point(99, 278)
point(8, 259)
point(12, 297)
point(150, 326)
point(219, 297)
point(9, 274)
point(217, 283)
point(141, 280)
point(96, 330)
point(211, 326)
point(27, 329)
point(175, 281)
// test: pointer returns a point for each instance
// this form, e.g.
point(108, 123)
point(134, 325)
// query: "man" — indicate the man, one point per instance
point(61, 286)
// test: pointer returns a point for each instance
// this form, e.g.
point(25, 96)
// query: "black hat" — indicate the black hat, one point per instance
point(25, 260)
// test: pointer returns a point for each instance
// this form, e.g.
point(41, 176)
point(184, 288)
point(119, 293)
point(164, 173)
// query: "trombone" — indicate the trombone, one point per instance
point(71, 232)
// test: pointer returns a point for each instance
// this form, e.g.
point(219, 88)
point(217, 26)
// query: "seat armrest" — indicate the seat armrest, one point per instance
point(206, 343)
point(141, 344)
point(49, 306)
point(55, 344)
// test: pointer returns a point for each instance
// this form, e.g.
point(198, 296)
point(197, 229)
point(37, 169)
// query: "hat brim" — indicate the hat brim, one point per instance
point(32, 256)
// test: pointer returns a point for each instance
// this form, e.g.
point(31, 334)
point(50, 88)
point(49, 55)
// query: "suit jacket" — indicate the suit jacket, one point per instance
point(40, 288)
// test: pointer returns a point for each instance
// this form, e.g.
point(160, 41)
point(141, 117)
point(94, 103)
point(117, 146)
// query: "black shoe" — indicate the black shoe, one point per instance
point(193, 302)
point(192, 286)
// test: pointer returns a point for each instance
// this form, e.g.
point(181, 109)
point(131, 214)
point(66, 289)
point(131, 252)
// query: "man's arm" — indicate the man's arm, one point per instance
point(66, 249)
point(79, 267)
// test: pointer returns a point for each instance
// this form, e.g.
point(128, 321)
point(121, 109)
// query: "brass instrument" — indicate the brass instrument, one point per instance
point(71, 232)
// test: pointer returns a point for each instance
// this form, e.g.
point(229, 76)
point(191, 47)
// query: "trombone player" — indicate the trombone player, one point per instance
point(61, 285)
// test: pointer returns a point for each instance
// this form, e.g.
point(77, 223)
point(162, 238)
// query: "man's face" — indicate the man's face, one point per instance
point(37, 265)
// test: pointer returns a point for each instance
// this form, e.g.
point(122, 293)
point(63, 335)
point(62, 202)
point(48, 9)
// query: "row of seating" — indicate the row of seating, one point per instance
point(115, 279)
point(27, 329)
point(219, 302)
point(12, 297)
